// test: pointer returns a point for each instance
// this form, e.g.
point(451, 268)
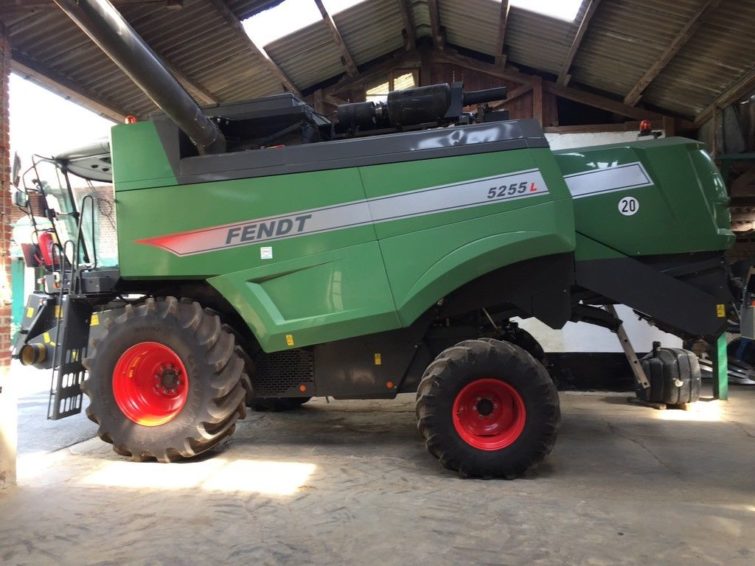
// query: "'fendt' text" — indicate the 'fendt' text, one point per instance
point(267, 229)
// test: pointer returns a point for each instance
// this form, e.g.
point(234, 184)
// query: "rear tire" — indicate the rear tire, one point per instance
point(165, 381)
point(487, 409)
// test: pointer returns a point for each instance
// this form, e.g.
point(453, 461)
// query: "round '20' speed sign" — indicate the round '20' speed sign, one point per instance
point(629, 206)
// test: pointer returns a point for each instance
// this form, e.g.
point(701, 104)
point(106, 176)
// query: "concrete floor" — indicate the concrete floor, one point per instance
point(351, 483)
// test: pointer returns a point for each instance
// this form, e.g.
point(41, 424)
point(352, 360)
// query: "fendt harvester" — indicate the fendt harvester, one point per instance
point(267, 255)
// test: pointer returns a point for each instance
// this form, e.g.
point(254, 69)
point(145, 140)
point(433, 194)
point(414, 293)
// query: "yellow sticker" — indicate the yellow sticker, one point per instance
point(289, 339)
point(95, 320)
point(378, 359)
point(57, 311)
point(29, 312)
point(721, 311)
point(46, 337)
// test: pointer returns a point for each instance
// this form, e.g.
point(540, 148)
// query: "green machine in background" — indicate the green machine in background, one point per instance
point(268, 255)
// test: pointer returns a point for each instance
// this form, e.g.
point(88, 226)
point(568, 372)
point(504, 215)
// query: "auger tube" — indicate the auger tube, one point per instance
point(112, 33)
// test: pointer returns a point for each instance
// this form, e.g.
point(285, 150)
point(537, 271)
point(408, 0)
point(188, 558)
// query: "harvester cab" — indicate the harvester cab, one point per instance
point(61, 248)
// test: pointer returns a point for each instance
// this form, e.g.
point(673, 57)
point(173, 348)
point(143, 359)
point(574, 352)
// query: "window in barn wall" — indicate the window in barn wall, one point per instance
point(399, 79)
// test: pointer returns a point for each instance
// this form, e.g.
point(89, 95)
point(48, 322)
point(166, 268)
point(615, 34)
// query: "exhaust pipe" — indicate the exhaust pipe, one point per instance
point(113, 34)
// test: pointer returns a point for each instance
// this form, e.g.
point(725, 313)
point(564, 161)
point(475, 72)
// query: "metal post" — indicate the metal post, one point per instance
point(721, 370)
point(626, 345)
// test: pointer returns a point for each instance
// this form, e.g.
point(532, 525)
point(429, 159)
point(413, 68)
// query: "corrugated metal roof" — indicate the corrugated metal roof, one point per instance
point(624, 38)
point(537, 41)
point(371, 29)
point(715, 57)
point(472, 24)
point(307, 55)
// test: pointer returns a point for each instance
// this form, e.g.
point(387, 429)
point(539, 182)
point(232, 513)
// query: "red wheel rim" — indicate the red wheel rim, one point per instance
point(150, 384)
point(489, 414)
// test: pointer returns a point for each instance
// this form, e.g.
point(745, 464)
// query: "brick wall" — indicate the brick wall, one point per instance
point(7, 395)
point(5, 203)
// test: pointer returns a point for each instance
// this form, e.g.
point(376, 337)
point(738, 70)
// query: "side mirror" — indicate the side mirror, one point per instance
point(20, 198)
point(16, 171)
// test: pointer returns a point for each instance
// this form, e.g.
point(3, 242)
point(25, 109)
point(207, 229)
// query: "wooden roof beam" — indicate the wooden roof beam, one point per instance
point(564, 76)
point(237, 28)
point(681, 38)
point(346, 59)
point(737, 90)
point(453, 58)
point(438, 40)
point(408, 17)
point(62, 86)
point(503, 20)
point(512, 95)
point(602, 102)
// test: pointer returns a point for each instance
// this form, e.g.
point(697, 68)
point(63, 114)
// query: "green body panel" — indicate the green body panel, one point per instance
point(429, 256)
point(150, 212)
point(356, 280)
point(139, 160)
point(370, 276)
point(313, 299)
point(684, 210)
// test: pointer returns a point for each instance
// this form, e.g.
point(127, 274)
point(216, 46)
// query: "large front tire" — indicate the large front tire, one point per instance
point(487, 409)
point(165, 381)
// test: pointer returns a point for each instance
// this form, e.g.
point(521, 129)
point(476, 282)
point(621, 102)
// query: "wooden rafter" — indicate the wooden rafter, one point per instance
point(438, 39)
point(537, 100)
point(511, 96)
point(452, 58)
point(681, 38)
point(737, 90)
point(602, 102)
point(346, 58)
point(237, 28)
point(38, 73)
point(503, 20)
point(408, 18)
point(563, 76)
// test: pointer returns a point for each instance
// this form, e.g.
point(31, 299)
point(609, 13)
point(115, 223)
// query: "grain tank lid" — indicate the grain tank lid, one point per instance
point(91, 162)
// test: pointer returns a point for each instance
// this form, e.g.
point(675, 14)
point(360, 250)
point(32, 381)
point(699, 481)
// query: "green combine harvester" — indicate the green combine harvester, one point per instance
point(267, 255)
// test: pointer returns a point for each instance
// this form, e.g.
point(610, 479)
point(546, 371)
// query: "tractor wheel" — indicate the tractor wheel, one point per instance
point(277, 403)
point(165, 381)
point(487, 409)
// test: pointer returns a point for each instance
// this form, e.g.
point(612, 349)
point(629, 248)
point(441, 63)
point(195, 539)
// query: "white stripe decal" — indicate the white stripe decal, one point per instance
point(433, 200)
point(608, 180)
